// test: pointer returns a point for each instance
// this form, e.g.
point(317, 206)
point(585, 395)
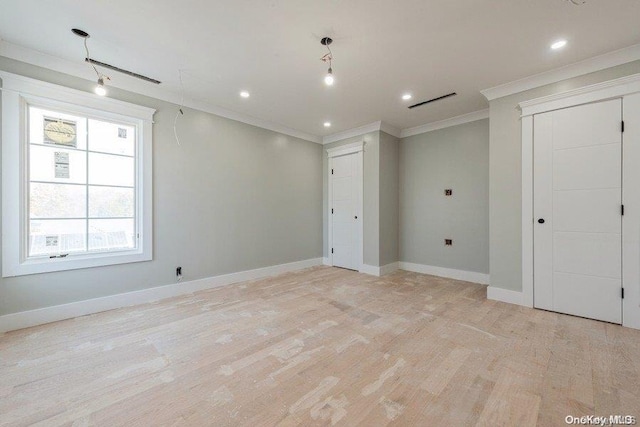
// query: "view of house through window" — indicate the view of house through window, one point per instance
point(81, 184)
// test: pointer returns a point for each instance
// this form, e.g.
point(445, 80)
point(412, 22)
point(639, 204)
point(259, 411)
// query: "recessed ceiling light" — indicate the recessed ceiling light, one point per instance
point(244, 94)
point(559, 44)
point(327, 124)
point(406, 96)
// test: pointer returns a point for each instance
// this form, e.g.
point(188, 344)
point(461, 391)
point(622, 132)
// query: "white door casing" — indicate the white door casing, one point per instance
point(577, 210)
point(631, 218)
point(345, 201)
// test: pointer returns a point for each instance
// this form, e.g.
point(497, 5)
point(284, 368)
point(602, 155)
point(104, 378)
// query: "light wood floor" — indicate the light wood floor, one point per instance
point(320, 346)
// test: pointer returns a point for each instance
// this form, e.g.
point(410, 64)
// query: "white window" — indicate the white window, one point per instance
point(76, 179)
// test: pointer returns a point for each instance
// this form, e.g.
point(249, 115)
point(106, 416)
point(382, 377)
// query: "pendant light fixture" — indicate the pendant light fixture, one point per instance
point(100, 88)
point(327, 58)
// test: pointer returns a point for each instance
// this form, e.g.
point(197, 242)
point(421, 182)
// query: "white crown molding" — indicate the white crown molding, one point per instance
point(371, 127)
point(597, 63)
point(387, 128)
point(599, 91)
point(40, 316)
point(382, 126)
point(80, 69)
point(454, 121)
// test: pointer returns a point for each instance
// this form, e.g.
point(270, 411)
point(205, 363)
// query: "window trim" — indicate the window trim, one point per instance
point(17, 93)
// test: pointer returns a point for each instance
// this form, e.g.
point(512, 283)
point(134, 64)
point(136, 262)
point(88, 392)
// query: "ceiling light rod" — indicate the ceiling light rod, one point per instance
point(328, 79)
point(433, 100)
point(120, 70)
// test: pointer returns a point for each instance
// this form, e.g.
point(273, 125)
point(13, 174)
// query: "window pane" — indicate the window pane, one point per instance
point(57, 201)
point(110, 234)
point(57, 129)
point(105, 169)
point(57, 165)
point(111, 138)
point(53, 237)
point(111, 202)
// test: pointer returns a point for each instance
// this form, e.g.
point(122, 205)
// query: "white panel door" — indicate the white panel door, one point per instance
point(577, 211)
point(345, 201)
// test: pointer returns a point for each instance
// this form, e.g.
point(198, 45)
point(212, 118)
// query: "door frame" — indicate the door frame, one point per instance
point(618, 88)
point(343, 150)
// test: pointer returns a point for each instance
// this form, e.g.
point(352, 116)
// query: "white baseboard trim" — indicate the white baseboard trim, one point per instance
point(325, 261)
point(370, 269)
point(379, 271)
point(389, 268)
point(26, 319)
point(467, 276)
point(505, 295)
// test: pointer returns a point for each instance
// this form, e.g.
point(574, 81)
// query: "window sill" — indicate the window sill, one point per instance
point(73, 262)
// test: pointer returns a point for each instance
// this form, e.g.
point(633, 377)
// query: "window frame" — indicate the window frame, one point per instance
point(18, 93)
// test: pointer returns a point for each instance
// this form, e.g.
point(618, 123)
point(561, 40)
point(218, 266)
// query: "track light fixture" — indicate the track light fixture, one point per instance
point(100, 88)
point(327, 58)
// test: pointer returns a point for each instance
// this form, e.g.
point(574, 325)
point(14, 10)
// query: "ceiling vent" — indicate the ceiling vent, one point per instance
point(433, 100)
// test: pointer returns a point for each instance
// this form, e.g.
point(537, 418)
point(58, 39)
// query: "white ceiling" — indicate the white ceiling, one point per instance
point(382, 49)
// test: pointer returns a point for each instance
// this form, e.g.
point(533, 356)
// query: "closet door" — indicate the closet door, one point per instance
point(577, 211)
point(345, 196)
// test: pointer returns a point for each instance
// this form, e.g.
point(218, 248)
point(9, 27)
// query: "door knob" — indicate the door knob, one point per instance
point(541, 221)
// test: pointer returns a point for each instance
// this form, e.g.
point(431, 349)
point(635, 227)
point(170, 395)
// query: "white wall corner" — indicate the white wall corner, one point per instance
point(26, 319)
point(442, 124)
point(325, 261)
point(449, 273)
point(596, 63)
point(505, 295)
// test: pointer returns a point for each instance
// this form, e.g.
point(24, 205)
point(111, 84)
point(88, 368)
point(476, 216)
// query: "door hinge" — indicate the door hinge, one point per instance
point(622, 126)
point(621, 209)
point(622, 293)
point(331, 171)
point(331, 210)
point(331, 250)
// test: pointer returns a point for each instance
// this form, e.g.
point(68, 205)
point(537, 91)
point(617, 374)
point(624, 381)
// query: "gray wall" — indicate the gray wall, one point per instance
point(234, 197)
point(458, 158)
point(505, 174)
point(371, 194)
point(389, 198)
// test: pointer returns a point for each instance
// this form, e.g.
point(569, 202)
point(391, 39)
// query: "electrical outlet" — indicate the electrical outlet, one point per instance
point(448, 242)
point(448, 192)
